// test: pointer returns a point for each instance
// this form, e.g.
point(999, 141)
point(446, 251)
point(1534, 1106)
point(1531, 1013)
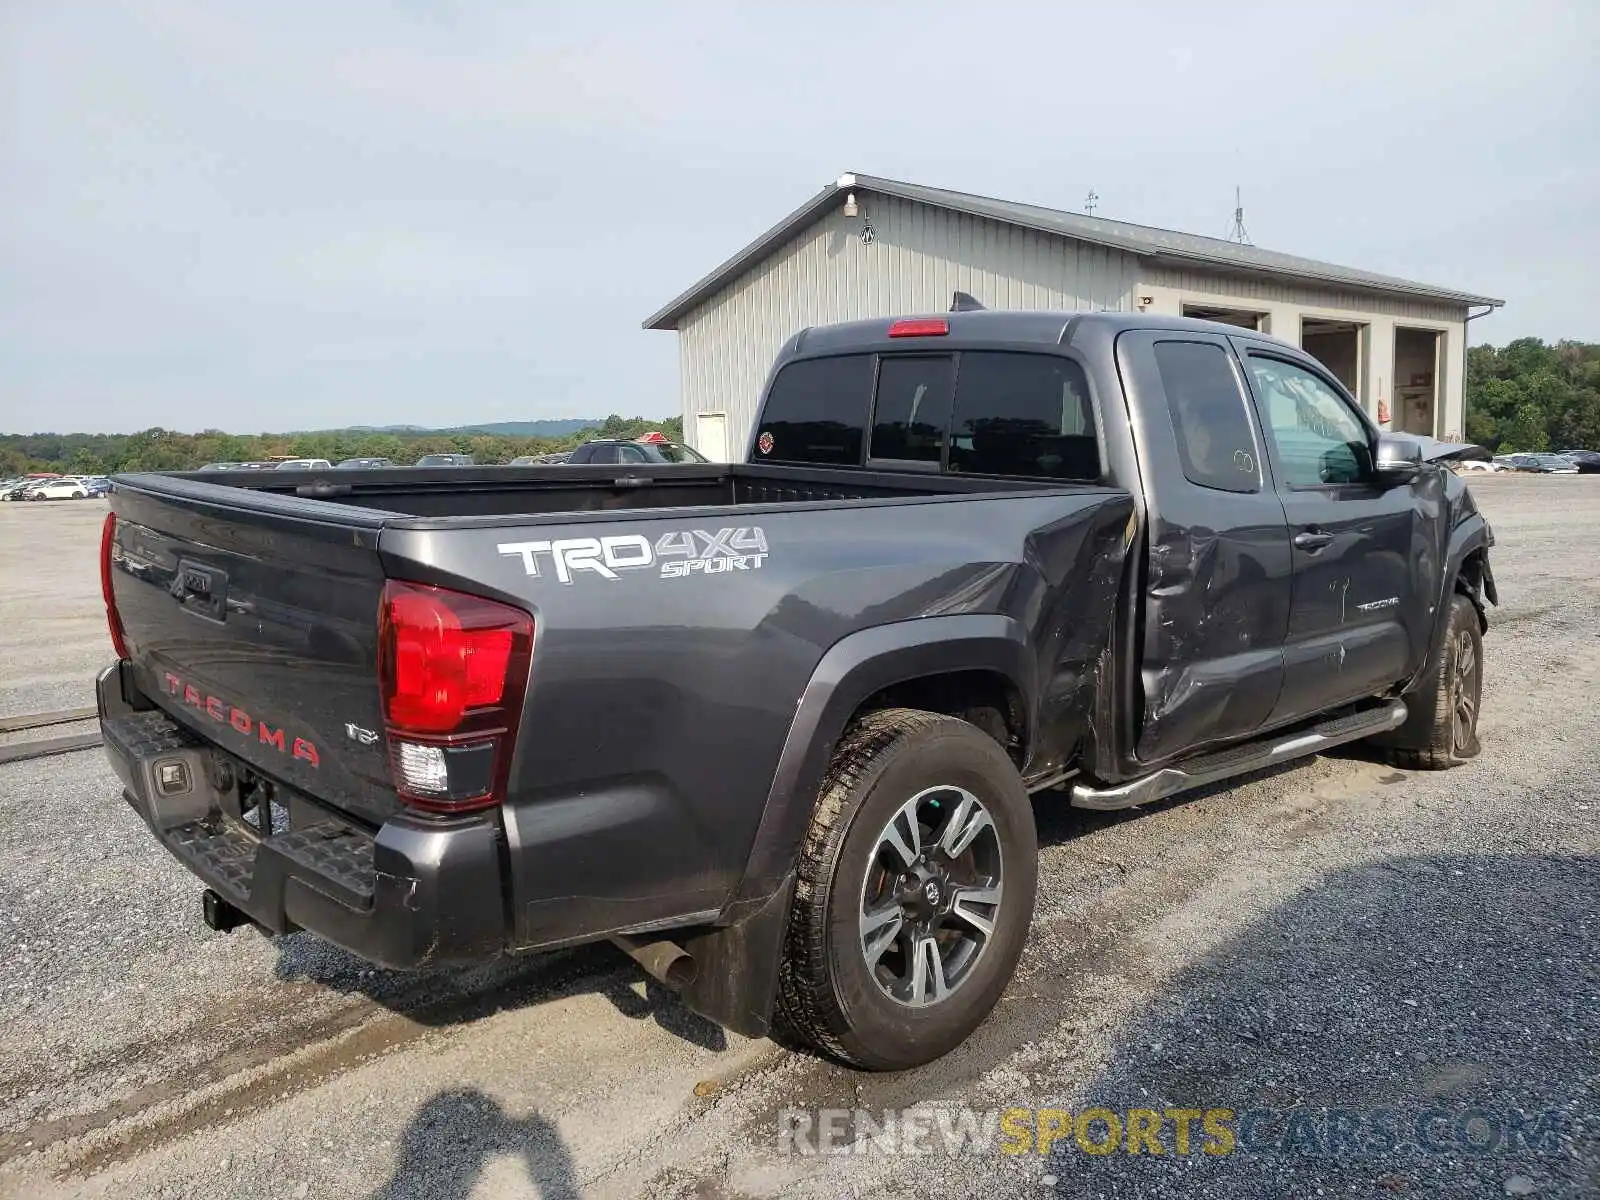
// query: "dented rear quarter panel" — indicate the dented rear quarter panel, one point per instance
point(659, 706)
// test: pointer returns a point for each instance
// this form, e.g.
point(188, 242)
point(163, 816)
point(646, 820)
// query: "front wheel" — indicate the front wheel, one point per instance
point(1447, 702)
point(914, 893)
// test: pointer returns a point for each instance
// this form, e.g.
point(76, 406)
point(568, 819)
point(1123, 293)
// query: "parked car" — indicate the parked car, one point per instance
point(777, 732)
point(363, 464)
point(303, 464)
point(98, 485)
point(59, 489)
point(222, 466)
point(1587, 461)
point(1484, 465)
point(1523, 462)
point(445, 460)
point(541, 460)
point(622, 450)
point(1543, 464)
point(20, 488)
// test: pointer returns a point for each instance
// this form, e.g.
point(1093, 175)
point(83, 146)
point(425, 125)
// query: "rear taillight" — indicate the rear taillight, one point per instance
point(453, 670)
point(108, 542)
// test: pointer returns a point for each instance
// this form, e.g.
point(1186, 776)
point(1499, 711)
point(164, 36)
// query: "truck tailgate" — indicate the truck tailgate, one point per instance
point(256, 625)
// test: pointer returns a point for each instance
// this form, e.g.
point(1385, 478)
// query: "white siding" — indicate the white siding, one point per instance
point(920, 255)
point(1266, 290)
point(1286, 301)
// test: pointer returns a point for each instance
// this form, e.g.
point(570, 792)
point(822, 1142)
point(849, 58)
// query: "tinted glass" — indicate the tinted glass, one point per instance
point(1318, 439)
point(669, 452)
point(816, 411)
point(1023, 414)
point(1216, 444)
point(913, 407)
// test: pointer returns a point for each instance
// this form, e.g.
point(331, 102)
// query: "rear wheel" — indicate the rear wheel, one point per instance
point(1451, 693)
point(915, 890)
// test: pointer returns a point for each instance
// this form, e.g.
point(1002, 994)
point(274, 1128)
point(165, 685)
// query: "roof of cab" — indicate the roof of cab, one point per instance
point(998, 325)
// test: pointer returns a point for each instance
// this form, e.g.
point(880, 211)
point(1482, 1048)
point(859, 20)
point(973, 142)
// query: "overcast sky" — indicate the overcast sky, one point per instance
point(281, 215)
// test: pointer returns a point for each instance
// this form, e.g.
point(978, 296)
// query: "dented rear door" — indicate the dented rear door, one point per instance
point(1217, 577)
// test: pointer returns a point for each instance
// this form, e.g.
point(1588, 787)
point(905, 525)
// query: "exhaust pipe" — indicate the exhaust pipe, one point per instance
point(664, 960)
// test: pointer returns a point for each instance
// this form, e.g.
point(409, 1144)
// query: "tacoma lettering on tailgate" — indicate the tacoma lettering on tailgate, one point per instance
point(226, 714)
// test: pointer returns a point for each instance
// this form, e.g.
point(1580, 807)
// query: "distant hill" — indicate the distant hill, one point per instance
point(558, 428)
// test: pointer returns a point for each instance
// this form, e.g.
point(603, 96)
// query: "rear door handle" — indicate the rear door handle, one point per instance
point(1312, 540)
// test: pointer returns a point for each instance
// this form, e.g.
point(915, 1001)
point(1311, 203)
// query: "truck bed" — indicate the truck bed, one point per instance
point(544, 490)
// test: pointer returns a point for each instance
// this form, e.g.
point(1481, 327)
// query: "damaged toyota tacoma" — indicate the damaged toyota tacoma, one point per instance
point(773, 727)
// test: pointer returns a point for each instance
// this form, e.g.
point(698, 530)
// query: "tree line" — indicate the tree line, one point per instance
point(1525, 396)
point(167, 450)
point(1529, 396)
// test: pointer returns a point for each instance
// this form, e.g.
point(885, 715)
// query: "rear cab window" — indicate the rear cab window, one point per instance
point(911, 411)
point(816, 412)
point(1025, 415)
point(1013, 413)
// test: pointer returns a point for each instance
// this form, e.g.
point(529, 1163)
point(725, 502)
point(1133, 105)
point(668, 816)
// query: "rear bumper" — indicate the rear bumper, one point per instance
point(415, 893)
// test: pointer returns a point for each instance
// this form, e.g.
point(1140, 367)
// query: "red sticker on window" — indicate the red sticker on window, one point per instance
point(764, 443)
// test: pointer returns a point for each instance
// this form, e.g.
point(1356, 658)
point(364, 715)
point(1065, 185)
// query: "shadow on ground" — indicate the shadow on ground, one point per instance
point(1423, 1026)
point(454, 1136)
point(455, 996)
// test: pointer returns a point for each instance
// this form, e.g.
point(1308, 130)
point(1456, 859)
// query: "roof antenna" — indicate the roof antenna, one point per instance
point(961, 302)
point(1090, 201)
point(1237, 233)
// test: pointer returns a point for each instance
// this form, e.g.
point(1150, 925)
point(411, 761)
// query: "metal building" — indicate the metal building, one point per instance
point(865, 247)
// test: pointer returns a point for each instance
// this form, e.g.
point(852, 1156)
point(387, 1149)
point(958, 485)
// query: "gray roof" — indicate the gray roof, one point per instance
point(1165, 246)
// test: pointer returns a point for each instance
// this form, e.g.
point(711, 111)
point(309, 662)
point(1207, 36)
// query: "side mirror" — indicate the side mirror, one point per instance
point(1399, 459)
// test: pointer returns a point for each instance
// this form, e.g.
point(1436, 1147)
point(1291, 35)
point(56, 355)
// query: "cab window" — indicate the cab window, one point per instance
point(1318, 439)
point(1022, 414)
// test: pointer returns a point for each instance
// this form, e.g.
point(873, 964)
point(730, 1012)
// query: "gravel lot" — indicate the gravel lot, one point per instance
point(1329, 943)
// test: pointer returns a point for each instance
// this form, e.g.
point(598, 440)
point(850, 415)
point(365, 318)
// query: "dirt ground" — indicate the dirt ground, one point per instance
point(1341, 946)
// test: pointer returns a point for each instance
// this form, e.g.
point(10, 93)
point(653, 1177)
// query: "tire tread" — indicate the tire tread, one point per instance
point(806, 1009)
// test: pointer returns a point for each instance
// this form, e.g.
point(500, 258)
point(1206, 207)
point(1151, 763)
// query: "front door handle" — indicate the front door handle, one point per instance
point(1312, 540)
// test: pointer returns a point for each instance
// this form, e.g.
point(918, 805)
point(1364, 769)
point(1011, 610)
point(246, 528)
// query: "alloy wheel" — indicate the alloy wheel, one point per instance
point(931, 895)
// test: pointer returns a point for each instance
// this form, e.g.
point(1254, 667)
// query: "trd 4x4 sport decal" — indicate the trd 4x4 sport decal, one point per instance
point(676, 555)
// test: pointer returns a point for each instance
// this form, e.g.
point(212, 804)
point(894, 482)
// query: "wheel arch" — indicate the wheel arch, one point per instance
point(737, 961)
point(908, 664)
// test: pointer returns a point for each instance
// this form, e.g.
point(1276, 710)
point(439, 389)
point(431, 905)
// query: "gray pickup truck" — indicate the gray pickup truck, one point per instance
point(773, 727)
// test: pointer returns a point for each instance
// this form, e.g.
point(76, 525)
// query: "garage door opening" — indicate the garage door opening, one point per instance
point(1416, 380)
point(1241, 317)
point(1338, 345)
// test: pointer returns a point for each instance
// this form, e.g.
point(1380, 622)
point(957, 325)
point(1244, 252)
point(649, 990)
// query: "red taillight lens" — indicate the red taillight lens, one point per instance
point(108, 540)
point(450, 654)
point(929, 327)
point(453, 669)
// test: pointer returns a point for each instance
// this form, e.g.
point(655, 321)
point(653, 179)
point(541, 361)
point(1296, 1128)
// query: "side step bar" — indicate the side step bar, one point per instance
point(1239, 760)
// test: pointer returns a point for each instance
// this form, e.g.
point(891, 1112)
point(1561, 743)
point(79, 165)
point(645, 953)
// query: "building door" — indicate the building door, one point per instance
point(711, 435)
point(1416, 381)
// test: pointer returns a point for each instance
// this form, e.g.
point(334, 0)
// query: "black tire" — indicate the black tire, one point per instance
point(1446, 705)
point(829, 995)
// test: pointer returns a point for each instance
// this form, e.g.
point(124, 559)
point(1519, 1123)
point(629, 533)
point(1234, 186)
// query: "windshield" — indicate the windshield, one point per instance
point(671, 452)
